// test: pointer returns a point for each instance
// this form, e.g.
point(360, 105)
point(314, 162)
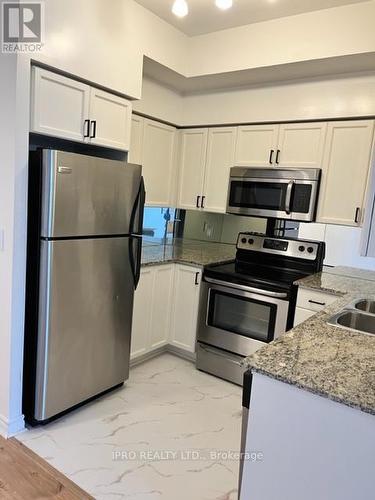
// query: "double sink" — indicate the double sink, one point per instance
point(358, 316)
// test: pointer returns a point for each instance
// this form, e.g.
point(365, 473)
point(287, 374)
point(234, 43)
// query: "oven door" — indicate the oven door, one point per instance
point(281, 198)
point(234, 318)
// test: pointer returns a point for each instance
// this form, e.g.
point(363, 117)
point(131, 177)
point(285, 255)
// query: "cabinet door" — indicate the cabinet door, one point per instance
point(193, 149)
point(301, 145)
point(185, 307)
point(110, 117)
point(302, 315)
point(345, 172)
point(220, 159)
point(256, 145)
point(136, 140)
point(59, 105)
point(142, 314)
point(161, 306)
point(158, 163)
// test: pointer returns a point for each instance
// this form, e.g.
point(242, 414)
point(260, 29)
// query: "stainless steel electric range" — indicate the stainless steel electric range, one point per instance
point(250, 302)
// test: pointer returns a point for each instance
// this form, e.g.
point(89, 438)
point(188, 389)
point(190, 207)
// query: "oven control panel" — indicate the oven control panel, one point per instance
point(288, 247)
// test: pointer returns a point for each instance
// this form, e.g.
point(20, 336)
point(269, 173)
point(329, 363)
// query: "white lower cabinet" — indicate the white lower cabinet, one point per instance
point(165, 309)
point(302, 315)
point(310, 302)
point(185, 307)
point(140, 342)
point(152, 310)
point(161, 305)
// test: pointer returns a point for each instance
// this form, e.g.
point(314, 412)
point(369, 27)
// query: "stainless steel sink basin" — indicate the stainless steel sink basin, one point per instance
point(367, 306)
point(355, 320)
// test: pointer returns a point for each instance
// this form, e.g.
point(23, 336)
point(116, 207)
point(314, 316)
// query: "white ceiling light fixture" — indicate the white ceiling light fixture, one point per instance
point(180, 8)
point(224, 4)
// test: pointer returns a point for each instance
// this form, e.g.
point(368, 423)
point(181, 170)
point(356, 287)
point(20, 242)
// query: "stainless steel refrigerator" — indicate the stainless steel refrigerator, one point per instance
point(84, 255)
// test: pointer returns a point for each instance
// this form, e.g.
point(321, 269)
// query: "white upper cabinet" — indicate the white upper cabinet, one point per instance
point(110, 117)
point(185, 307)
point(298, 145)
point(345, 172)
point(68, 109)
point(158, 161)
point(153, 145)
point(136, 140)
point(220, 159)
point(59, 106)
point(301, 145)
point(192, 161)
point(256, 145)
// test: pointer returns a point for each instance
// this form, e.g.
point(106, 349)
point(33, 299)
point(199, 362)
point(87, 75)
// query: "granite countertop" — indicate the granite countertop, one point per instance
point(191, 252)
point(340, 280)
point(330, 361)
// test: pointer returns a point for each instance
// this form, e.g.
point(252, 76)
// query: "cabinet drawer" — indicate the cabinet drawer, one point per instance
point(314, 301)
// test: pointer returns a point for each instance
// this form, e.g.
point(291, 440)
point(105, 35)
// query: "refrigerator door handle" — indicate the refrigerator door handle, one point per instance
point(138, 206)
point(135, 261)
point(136, 233)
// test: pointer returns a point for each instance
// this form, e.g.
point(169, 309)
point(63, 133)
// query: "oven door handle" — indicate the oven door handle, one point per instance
point(267, 293)
point(219, 354)
point(288, 197)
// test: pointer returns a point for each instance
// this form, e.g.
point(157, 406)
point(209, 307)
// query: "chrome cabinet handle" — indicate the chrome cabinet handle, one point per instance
point(202, 203)
point(196, 282)
point(259, 291)
point(198, 202)
point(288, 196)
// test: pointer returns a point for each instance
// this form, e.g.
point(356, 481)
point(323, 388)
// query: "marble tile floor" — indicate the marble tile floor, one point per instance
point(165, 435)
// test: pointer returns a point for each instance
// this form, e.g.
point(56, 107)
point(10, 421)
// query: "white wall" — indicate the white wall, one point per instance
point(314, 35)
point(160, 102)
point(344, 245)
point(343, 96)
point(12, 257)
point(104, 42)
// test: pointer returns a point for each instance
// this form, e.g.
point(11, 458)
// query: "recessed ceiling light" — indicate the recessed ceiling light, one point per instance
point(224, 4)
point(180, 8)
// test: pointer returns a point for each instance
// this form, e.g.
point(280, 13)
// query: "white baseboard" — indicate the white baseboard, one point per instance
point(9, 428)
point(181, 353)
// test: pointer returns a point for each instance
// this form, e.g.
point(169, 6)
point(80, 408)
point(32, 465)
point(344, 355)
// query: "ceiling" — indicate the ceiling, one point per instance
point(204, 17)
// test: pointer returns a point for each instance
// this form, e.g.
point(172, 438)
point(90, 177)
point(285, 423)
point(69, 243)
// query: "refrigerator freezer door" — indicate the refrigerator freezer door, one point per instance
point(87, 196)
point(85, 317)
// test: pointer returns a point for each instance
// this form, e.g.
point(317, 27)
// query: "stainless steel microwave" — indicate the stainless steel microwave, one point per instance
point(272, 192)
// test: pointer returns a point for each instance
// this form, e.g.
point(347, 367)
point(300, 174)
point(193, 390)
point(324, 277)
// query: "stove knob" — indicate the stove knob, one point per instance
point(301, 248)
point(244, 240)
point(251, 241)
point(310, 249)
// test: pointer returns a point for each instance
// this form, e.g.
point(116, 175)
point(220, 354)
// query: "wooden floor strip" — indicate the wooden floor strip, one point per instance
point(26, 476)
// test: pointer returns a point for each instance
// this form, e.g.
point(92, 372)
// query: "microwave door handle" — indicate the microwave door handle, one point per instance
point(288, 197)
